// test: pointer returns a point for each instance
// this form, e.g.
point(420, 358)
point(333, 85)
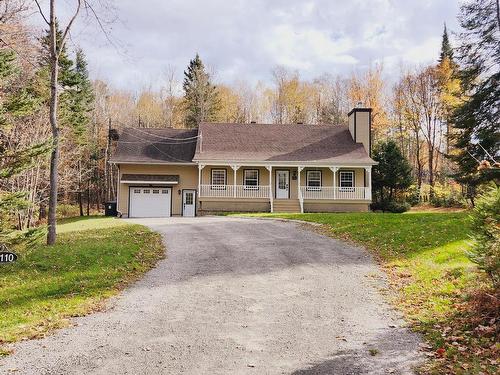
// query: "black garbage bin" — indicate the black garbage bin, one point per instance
point(110, 208)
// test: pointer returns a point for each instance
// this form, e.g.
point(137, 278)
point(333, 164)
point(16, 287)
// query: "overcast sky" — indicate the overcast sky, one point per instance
point(245, 39)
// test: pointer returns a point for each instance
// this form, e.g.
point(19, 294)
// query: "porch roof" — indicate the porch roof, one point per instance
point(271, 143)
point(150, 178)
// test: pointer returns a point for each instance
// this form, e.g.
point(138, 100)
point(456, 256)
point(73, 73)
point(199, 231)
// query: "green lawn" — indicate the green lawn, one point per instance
point(425, 256)
point(93, 258)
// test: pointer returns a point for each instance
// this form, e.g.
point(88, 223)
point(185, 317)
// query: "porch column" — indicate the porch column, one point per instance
point(301, 198)
point(334, 170)
point(235, 169)
point(270, 170)
point(368, 188)
point(200, 168)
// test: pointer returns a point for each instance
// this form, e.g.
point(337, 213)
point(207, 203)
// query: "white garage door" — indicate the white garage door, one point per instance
point(150, 201)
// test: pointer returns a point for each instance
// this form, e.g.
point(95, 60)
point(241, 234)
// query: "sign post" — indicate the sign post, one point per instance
point(6, 256)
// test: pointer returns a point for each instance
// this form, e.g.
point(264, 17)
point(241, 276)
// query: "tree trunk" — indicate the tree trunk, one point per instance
point(54, 156)
point(80, 199)
point(88, 199)
point(42, 211)
point(80, 202)
point(431, 172)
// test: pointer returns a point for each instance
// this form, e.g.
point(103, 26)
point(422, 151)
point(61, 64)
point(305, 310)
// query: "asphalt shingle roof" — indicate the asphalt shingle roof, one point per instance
point(265, 142)
point(240, 142)
point(155, 145)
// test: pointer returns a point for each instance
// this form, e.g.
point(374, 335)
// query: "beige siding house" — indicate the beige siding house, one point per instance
point(245, 167)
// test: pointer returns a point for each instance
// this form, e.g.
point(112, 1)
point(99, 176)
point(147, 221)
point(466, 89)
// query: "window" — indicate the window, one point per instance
point(347, 180)
point(164, 191)
point(137, 191)
point(251, 179)
point(156, 191)
point(189, 198)
point(313, 180)
point(146, 191)
point(219, 179)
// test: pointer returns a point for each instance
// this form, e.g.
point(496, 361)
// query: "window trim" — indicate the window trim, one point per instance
point(314, 188)
point(251, 187)
point(347, 188)
point(218, 187)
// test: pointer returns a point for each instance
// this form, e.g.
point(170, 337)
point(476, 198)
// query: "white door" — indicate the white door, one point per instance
point(150, 201)
point(188, 203)
point(282, 184)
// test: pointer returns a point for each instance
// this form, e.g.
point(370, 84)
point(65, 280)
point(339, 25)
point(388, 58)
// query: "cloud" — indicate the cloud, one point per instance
point(245, 39)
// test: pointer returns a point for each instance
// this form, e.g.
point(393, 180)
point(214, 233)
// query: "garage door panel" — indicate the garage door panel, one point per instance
point(150, 201)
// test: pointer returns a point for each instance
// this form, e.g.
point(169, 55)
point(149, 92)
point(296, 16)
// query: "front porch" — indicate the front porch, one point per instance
point(313, 187)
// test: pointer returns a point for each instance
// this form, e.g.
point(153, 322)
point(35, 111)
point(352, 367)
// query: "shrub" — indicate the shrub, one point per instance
point(447, 196)
point(67, 210)
point(413, 195)
point(486, 234)
point(390, 206)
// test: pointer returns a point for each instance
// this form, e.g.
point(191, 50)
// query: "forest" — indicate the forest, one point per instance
point(57, 131)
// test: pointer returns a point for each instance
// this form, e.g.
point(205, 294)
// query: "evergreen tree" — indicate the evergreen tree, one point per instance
point(393, 172)
point(200, 96)
point(476, 121)
point(446, 49)
point(449, 91)
point(78, 99)
point(65, 62)
point(15, 102)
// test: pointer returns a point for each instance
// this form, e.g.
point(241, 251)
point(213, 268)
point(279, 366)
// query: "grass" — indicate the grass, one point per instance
point(94, 257)
point(425, 256)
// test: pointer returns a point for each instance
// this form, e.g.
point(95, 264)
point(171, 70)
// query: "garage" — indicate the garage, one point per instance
point(150, 201)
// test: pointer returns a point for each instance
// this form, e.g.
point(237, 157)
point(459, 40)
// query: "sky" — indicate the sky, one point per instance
point(246, 39)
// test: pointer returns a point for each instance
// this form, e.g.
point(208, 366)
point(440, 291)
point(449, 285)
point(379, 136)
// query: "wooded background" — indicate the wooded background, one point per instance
point(432, 111)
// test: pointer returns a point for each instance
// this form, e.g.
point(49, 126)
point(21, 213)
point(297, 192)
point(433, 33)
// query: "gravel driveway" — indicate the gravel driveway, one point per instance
point(237, 296)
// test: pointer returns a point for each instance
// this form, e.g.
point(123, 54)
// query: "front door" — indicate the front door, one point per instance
point(282, 184)
point(188, 203)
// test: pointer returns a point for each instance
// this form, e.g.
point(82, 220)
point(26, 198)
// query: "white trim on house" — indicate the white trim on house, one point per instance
point(319, 164)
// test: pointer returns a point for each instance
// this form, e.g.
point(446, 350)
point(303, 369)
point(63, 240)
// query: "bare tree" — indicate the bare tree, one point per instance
point(56, 47)
point(11, 9)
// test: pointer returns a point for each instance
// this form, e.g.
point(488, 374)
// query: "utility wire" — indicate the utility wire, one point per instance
point(143, 140)
point(155, 135)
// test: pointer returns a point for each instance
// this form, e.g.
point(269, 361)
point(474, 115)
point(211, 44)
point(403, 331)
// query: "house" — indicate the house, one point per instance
point(245, 167)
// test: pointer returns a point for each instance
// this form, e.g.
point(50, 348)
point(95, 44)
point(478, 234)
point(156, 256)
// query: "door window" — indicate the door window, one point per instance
point(282, 180)
point(189, 198)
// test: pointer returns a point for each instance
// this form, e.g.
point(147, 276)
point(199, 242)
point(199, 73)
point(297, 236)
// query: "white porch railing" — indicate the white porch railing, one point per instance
point(337, 193)
point(234, 191)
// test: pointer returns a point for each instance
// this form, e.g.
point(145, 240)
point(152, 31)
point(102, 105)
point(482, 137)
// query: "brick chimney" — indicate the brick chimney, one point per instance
point(360, 126)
